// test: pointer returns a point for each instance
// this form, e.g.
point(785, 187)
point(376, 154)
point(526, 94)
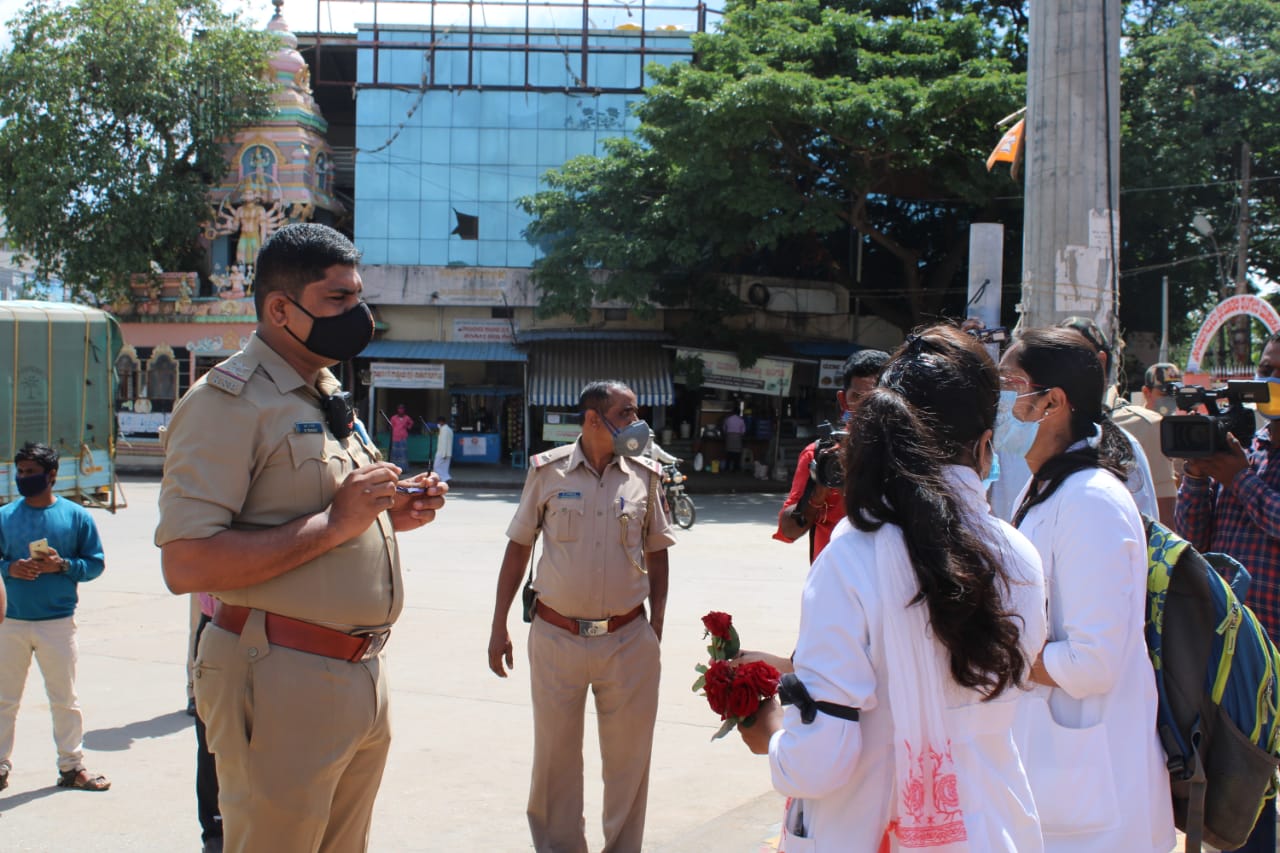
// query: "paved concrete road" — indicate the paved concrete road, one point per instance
point(458, 772)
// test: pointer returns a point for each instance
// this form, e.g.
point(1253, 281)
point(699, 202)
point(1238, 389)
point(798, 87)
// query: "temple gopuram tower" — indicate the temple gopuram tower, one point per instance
point(280, 171)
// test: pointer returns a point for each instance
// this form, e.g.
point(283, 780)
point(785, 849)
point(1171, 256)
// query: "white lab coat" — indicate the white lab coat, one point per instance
point(1006, 493)
point(841, 773)
point(1092, 753)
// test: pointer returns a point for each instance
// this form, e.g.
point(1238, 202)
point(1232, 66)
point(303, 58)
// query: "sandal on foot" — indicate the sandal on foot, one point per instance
point(83, 780)
point(4, 780)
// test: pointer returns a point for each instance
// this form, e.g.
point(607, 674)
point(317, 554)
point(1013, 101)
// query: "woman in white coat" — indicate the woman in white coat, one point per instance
point(924, 617)
point(1088, 730)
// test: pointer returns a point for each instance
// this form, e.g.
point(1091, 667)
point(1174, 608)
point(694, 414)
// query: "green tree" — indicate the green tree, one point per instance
point(111, 112)
point(800, 124)
point(1199, 79)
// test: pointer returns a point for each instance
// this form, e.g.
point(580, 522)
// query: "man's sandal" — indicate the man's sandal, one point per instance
point(4, 780)
point(82, 780)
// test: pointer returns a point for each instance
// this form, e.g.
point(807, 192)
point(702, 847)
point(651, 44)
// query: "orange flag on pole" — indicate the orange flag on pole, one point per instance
point(1010, 148)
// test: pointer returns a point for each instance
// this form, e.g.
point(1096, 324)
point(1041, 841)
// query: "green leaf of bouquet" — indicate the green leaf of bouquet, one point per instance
point(702, 667)
point(725, 729)
point(732, 645)
point(700, 683)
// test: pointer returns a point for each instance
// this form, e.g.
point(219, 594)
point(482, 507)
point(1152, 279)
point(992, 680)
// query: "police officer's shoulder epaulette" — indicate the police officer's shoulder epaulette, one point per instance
point(232, 374)
point(541, 460)
point(652, 464)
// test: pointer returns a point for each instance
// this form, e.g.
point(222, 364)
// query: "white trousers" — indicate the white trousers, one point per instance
point(53, 643)
point(442, 468)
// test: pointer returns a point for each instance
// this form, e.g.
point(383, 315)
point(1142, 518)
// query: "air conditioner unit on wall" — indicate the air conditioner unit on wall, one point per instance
point(783, 298)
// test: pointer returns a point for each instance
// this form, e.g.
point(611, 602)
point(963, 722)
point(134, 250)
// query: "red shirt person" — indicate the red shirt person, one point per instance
point(810, 506)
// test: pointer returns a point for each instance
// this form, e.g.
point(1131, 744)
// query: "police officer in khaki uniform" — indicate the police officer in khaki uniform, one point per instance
point(606, 534)
point(274, 500)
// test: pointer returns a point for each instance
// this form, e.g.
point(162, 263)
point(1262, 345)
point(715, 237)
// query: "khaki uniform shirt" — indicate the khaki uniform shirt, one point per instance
point(1144, 425)
point(598, 527)
point(248, 449)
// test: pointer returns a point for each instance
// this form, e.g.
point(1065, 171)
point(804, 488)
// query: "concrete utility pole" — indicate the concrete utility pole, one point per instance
point(1072, 220)
point(1241, 346)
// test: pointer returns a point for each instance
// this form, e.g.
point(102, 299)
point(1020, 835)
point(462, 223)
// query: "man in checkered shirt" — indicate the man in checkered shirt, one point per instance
point(1230, 502)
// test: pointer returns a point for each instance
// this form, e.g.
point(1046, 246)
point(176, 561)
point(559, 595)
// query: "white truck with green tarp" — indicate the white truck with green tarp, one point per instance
point(58, 387)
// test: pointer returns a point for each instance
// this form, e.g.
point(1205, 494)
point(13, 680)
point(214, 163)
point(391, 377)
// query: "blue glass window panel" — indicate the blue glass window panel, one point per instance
point(520, 254)
point(523, 148)
point(407, 145)
point(402, 252)
point(494, 144)
point(403, 182)
point(552, 109)
point(371, 175)
point(464, 186)
point(364, 63)
point(548, 69)
point(608, 70)
point(493, 221)
point(493, 68)
point(493, 109)
point(464, 145)
point(373, 250)
point(369, 136)
point(434, 182)
point(551, 147)
point(466, 109)
point(521, 182)
point(436, 110)
point(435, 145)
point(493, 182)
point(493, 253)
point(403, 66)
point(522, 109)
point(434, 252)
point(580, 142)
point(435, 219)
point(463, 251)
point(402, 220)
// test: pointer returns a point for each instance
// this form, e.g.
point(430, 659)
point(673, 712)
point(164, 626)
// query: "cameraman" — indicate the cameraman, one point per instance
point(1230, 502)
point(810, 506)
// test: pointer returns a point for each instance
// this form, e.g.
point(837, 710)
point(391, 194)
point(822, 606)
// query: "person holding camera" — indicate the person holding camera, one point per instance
point(813, 506)
point(286, 515)
point(604, 554)
point(1230, 503)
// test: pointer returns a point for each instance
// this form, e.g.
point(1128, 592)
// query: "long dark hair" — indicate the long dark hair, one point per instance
point(936, 398)
point(1062, 358)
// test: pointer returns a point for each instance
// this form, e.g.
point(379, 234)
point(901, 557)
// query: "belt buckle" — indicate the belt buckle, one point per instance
point(374, 642)
point(592, 627)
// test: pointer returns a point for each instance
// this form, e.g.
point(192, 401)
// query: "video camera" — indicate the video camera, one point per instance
point(993, 335)
point(827, 468)
point(1194, 436)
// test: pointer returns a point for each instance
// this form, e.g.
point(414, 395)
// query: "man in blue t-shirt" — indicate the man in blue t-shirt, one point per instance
point(47, 547)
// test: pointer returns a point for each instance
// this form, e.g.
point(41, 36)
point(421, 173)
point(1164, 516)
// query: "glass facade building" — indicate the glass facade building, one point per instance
point(453, 125)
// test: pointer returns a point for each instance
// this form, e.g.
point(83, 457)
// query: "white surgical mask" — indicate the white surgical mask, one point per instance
point(1012, 436)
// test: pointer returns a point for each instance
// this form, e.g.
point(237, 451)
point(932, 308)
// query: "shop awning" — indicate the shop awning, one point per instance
point(531, 336)
point(442, 351)
point(559, 369)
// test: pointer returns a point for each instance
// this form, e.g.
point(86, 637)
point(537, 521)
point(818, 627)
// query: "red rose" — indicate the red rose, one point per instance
point(718, 624)
point(743, 699)
point(761, 676)
point(719, 680)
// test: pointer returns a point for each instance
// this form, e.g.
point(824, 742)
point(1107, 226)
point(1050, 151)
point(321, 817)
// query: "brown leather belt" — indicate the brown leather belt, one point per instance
point(305, 636)
point(588, 627)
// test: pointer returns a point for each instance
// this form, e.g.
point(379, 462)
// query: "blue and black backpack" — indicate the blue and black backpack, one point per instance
point(1216, 673)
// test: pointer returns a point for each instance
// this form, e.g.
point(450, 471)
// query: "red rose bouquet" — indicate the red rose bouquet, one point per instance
point(733, 692)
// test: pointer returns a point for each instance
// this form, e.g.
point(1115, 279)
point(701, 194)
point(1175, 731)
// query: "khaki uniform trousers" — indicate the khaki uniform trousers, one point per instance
point(300, 741)
point(622, 670)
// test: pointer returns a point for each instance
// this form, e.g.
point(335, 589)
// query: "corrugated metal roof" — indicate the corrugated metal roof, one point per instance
point(559, 370)
point(442, 351)
point(533, 335)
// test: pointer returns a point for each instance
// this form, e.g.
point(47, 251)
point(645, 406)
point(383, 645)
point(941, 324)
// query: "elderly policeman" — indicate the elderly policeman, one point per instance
point(285, 514)
point(604, 552)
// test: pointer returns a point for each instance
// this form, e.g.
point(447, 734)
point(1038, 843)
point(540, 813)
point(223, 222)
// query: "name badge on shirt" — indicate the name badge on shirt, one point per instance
point(308, 426)
point(570, 496)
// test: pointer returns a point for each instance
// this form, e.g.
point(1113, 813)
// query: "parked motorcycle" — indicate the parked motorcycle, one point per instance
point(682, 509)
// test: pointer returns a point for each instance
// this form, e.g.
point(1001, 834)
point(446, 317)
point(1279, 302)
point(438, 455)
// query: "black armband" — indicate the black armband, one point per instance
point(791, 691)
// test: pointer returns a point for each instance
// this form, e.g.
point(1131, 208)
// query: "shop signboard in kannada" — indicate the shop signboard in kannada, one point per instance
point(384, 374)
point(483, 331)
point(829, 375)
point(721, 370)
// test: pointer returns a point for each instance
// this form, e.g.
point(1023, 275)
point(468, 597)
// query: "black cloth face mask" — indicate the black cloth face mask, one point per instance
point(340, 338)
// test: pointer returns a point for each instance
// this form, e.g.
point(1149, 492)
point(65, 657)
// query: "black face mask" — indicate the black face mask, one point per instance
point(32, 485)
point(340, 338)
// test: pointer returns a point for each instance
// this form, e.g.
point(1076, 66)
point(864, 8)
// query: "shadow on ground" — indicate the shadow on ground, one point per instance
point(122, 737)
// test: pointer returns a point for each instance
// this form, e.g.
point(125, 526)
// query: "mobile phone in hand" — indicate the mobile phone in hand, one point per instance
point(38, 548)
point(411, 490)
